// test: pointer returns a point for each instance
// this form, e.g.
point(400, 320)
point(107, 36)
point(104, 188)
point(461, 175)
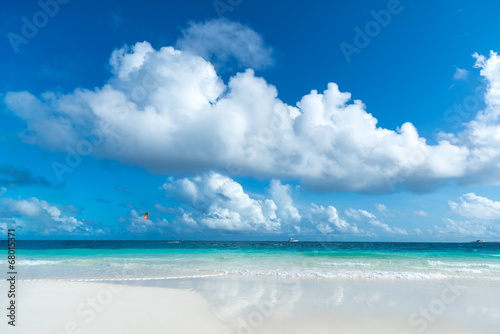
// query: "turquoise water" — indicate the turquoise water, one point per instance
point(134, 260)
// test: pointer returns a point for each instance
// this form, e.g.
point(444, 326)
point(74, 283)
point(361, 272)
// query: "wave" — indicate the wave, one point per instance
point(114, 279)
point(462, 264)
point(389, 275)
point(347, 264)
point(376, 275)
point(176, 266)
point(34, 262)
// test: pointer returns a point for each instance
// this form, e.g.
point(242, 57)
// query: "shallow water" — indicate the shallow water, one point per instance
point(134, 260)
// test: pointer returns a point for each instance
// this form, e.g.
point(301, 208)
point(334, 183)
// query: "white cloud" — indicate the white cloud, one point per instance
point(383, 210)
point(186, 219)
point(421, 213)
point(482, 218)
point(460, 74)
point(218, 202)
point(327, 221)
point(221, 203)
point(30, 207)
point(369, 218)
point(167, 111)
point(359, 214)
point(3, 190)
point(34, 215)
point(473, 206)
point(490, 70)
point(223, 43)
point(280, 194)
point(452, 228)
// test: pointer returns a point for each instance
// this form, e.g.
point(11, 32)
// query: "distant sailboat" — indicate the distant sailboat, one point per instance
point(292, 240)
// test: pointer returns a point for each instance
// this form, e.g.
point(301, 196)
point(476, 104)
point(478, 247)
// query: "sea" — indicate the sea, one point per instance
point(154, 260)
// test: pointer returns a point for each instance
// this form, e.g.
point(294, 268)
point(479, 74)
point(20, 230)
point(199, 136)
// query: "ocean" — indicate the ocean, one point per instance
point(150, 260)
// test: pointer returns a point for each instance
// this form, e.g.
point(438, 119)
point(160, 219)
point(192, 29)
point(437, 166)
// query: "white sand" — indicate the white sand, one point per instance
point(94, 308)
point(259, 305)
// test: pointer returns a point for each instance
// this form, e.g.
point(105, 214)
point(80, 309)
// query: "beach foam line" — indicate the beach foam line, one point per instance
point(32, 262)
point(382, 275)
point(446, 273)
point(117, 279)
point(463, 264)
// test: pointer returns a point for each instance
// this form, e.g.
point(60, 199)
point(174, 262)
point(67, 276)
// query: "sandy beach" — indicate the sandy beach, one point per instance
point(232, 304)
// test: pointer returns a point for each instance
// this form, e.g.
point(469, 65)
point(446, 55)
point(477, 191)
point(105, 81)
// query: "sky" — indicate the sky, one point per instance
point(249, 120)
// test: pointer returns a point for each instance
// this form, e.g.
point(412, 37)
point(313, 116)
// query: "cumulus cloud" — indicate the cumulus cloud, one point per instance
point(186, 219)
point(38, 216)
point(215, 201)
point(280, 194)
point(480, 218)
point(327, 221)
point(490, 70)
point(473, 206)
point(226, 44)
point(221, 203)
point(168, 111)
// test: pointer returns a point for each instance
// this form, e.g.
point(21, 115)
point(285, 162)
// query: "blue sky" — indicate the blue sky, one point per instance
point(245, 120)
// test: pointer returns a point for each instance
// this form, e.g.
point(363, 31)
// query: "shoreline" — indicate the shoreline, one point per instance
point(270, 276)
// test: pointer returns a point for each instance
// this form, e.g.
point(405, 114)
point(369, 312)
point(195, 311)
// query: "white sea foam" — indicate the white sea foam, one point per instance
point(116, 279)
point(173, 266)
point(463, 264)
point(36, 262)
point(98, 274)
point(345, 274)
point(347, 264)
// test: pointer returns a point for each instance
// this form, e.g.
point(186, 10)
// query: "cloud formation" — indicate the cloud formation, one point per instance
point(370, 219)
point(37, 216)
point(421, 213)
point(327, 221)
point(281, 195)
point(473, 206)
point(460, 74)
point(468, 228)
point(226, 44)
point(479, 218)
point(168, 111)
point(221, 203)
point(217, 202)
point(213, 201)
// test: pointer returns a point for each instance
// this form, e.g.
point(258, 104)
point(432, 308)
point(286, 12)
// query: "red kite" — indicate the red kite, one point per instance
point(146, 215)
